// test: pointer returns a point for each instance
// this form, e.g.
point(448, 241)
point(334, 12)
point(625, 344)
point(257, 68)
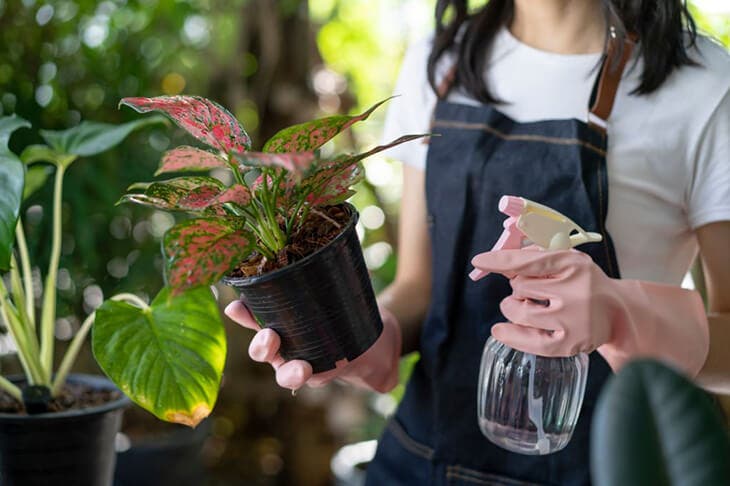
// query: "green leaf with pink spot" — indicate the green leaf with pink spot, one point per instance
point(201, 251)
point(189, 159)
point(204, 119)
point(190, 194)
point(311, 135)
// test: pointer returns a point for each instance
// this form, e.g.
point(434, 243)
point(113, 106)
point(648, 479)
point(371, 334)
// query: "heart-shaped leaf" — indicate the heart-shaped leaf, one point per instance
point(652, 426)
point(309, 136)
point(204, 119)
point(168, 358)
point(189, 159)
point(92, 138)
point(11, 187)
point(201, 251)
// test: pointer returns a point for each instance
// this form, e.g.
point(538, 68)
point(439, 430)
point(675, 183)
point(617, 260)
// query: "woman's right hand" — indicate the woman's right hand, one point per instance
point(376, 369)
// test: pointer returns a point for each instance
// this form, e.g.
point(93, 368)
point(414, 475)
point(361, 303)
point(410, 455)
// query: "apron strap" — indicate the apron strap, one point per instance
point(604, 92)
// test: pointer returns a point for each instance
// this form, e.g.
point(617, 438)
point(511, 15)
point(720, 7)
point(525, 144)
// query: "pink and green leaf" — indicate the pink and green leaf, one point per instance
point(237, 194)
point(189, 159)
point(296, 162)
point(190, 194)
point(204, 119)
point(311, 135)
point(334, 185)
point(201, 251)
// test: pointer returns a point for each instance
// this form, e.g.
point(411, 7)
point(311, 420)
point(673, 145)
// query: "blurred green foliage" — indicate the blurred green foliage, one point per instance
point(272, 62)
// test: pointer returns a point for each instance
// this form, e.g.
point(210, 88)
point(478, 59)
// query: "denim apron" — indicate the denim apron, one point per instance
point(482, 154)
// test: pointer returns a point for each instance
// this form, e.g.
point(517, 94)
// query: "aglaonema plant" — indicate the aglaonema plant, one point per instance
point(173, 370)
point(21, 176)
point(272, 195)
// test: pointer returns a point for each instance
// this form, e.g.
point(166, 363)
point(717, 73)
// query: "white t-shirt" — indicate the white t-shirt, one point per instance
point(668, 152)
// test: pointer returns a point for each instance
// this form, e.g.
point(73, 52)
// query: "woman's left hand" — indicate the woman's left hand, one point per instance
point(563, 304)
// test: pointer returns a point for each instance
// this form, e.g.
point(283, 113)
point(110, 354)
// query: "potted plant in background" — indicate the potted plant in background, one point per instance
point(279, 230)
point(55, 428)
point(653, 426)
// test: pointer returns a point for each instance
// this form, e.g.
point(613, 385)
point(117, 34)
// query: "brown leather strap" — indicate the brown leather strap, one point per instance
point(610, 77)
point(447, 83)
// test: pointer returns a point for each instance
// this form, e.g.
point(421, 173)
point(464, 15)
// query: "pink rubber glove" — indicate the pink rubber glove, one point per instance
point(562, 303)
point(376, 369)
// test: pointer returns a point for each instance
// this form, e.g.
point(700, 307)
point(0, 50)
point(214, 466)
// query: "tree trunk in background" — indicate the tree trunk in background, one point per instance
point(279, 35)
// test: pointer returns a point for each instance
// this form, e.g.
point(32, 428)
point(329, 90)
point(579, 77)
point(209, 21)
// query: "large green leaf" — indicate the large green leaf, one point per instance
point(652, 426)
point(91, 138)
point(11, 187)
point(169, 357)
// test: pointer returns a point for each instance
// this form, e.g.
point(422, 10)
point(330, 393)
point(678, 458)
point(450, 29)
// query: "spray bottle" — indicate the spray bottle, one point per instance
point(530, 404)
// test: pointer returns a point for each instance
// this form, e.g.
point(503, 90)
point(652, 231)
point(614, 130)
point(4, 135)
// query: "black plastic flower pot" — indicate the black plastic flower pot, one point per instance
point(322, 306)
point(70, 448)
point(173, 459)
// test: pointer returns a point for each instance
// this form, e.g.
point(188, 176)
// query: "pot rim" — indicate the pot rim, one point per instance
point(248, 281)
point(95, 381)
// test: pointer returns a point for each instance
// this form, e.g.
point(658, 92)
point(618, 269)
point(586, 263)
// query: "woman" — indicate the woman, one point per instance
point(564, 102)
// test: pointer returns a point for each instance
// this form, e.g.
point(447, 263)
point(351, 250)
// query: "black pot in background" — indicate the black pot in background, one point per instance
point(322, 306)
point(71, 448)
point(171, 460)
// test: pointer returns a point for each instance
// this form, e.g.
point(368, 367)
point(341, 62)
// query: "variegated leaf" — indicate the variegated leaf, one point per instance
point(201, 251)
point(296, 162)
point(311, 135)
point(204, 119)
point(236, 194)
point(189, 159)
point(179, 194)
point(335, 185)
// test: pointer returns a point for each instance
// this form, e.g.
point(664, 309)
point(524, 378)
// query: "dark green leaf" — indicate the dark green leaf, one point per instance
point(11, 187)
point(91, 138)
point(652, 426)
point(168, 358)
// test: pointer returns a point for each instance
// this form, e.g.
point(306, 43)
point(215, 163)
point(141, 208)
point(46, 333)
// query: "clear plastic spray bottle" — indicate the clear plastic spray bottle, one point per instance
point(530, 404)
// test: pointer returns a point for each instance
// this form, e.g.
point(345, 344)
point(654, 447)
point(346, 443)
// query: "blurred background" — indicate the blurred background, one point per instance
point(272, 63)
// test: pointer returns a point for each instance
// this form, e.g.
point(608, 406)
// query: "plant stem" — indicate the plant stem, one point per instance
point(75, 346)
point(71, 354)
point(27, 274)
point(11, 389)
point(27, 355)
point(132, 299)
point(49, 292)
point(234, 168)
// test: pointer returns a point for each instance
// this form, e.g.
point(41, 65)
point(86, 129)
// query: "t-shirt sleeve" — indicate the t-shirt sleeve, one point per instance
point(410, 111)
point(709, 195)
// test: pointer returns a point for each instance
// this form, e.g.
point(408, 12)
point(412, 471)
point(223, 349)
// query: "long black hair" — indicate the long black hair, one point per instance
point(665, 28)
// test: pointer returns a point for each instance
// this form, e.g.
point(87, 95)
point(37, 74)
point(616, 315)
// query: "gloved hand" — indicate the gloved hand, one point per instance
point(563, 303)
point(376, 369)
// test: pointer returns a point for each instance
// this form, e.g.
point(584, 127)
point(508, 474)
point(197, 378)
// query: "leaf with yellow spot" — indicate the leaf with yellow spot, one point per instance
point(169, 357)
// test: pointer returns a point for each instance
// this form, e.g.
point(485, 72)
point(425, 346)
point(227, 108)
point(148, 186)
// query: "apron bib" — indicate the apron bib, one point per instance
point(481, 155)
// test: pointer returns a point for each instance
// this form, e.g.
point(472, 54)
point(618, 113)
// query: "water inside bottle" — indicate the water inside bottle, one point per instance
point(529, 404)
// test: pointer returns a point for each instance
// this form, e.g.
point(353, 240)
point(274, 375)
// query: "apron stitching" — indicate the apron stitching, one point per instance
point(461, 472)
point(526, 138)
